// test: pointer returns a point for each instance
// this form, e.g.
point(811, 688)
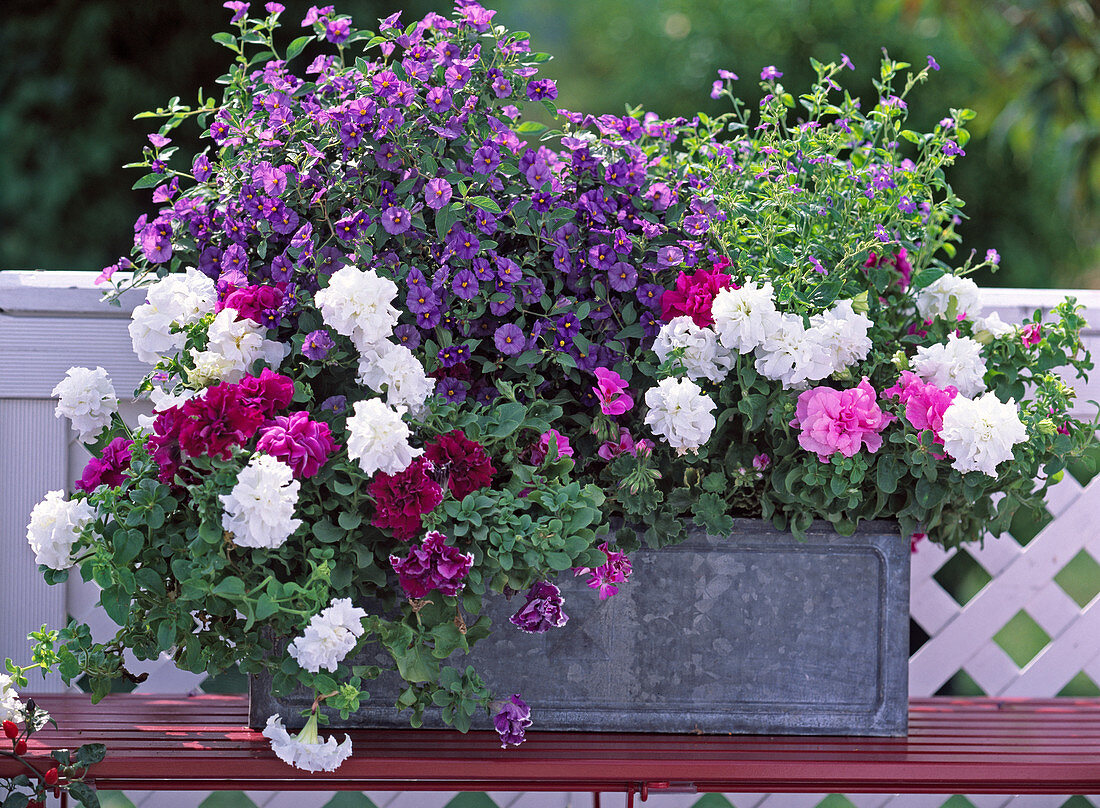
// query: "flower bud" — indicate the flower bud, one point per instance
point(10, 730)
point(900, 360)
point(1046, 427)
point(859, 303)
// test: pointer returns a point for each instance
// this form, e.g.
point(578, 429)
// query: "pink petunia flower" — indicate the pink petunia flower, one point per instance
point(610, 390)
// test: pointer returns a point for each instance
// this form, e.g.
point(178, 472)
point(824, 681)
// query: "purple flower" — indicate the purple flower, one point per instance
point(513, 718)
point(337, 31)
point(846, 62)
point(905, 205)
point(670, 256)
point(486, 159)
point(770, 73)
point(281, 269)
point(622, 277)
point(234, 258)
point(395, 220)
point(301, 443)
point(317, 344)
point(437, 193)
point(951, 149)
point(604, 577)
point(932, 63)
point(761, 462)
point(542, 611)
point(439, 100)
point(993, 257)
point(109, 468)
point(538, 89)
point(432, 565)
point(200, 167)
point(239, 9)
point(465, 284)
point(465, 245)
point(716, 89)
point(509, 339)
point(408, 336)
point(334, 404)
point(537, 173)
point(451, 389)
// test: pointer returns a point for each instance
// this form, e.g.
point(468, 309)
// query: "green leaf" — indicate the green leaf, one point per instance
point(349, 520)
point(116, 603)
point(89, 754)
point(84, 794)
point(485, 203)
point(226, 39)
point(530, 128)
point(887, 474)
point(327, 532)
point(559, 561)
point(448, 639)
point(128, 544)
point(927, 276)
point(510, 417)
point(231, 587)
point(148, 181)
point(416, 664)
point(16, 799)
point(265, 607)
point(296, 47)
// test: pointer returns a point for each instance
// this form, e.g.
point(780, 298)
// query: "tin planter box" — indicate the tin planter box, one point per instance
point(756, 632)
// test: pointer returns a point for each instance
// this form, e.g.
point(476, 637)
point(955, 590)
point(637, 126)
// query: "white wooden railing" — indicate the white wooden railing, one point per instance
point(51, 321)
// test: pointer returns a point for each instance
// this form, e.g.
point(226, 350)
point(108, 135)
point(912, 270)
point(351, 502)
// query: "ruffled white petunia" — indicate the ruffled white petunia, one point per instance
point(949, 295)
point(11, 708)
point(306, 750)
point(704, 357)
point(840, 335)
point(238, 343)
point(979, 433)
point(55, 526)
point(680, 413)
point(957, 362)
point(181, 299)
point(87, 398)
point(211, 367)
point(394, 369)
point(744, 317)
point(259, 511)
point(358, 303)
point(379, 439)
point(994, 326)
point(329, 637)
point(788, 356)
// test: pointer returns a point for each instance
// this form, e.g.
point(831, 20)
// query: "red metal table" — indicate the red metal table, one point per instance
point(1006, 746)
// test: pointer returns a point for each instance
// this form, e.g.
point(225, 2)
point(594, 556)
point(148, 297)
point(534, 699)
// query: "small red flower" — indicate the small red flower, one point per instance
point(51, 777)
point(10, 730)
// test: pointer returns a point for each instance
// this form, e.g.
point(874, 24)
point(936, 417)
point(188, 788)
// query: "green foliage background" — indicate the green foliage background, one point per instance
point(76, 71)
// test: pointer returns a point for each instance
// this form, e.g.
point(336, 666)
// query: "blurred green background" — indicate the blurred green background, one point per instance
point(74, 72)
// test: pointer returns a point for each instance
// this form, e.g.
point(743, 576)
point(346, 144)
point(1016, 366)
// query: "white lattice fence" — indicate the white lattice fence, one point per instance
point(44, 329)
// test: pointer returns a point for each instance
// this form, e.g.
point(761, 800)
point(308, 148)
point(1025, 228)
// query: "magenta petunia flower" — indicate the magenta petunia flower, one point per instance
point(511, 720)
point(302, 444)
point(839, 420)
point(694, 295)
point(1031, 334)
point(433, 564)
point(401, 500)
point(109, 468)
point(542, 611)
point(925, 403)
point(610, 389)
point(465, 463)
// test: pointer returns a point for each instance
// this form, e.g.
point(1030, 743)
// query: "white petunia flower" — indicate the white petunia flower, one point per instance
point(744, 317)
point(787, 355)
point(55, 526)
point(239, 343)
point(211, 367)
point(379, 439)
point(949, 294)
point(979, 433)
point(841, 336)
point(11, 708)
point(179, 298)
point(259, 510)
point(704, 357)
point(993, 325)
point(958, 362)
point(87, 398)
point(329, 637)
point(680, 413)
point(395, 370)
point(358, 303)
point(306, 750)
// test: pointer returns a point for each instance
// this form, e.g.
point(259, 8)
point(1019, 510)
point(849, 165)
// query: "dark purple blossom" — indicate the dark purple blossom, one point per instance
point(432, 565)
point(542, 611)
point(513, 718)
point(408, 336)
point(451, 389)
point(538, 89)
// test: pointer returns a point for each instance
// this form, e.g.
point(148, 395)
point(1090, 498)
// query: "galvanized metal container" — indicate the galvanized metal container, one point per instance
point(755, 632)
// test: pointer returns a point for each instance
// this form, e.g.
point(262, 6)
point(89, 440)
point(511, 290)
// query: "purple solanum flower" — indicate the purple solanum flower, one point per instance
point(437, 193)
point(509, 339)
point(317, 344)
point(395, 220)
